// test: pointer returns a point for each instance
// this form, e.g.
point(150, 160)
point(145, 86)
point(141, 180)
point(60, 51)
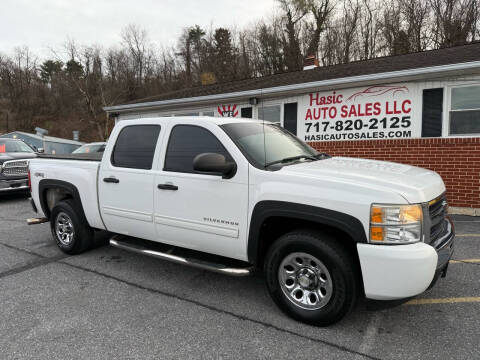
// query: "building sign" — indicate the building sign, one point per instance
point(375, 112)
point(227, 110)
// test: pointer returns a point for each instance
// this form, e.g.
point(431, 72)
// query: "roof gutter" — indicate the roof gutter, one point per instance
point(393, 75)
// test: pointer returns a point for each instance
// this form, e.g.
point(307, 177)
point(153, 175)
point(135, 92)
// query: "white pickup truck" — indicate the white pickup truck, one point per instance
point(234, 195)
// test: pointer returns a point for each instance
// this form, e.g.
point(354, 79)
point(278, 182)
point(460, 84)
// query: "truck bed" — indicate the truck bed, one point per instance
point(97, 156)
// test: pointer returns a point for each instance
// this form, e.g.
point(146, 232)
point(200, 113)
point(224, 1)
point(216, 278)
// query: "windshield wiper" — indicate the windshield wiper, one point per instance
point(322, 155)
point(292, 158)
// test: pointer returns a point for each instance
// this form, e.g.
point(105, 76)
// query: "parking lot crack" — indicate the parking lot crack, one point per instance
point(32, 265)
point(23, 250)
point(226, 312)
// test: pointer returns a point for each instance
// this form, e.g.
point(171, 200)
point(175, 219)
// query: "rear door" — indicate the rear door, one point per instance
point(196, 210)
point(126, 181)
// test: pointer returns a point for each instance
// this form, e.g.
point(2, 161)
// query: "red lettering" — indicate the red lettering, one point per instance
point(368, 109)
point(339, 98)
point(344, 110)
point(332, 112)
point(406, 109)
point(353, 111)
point(387, 109)
point(308, 116)
point(311, 99)
point(396, 109)
point(377, 109)
point(359, 113)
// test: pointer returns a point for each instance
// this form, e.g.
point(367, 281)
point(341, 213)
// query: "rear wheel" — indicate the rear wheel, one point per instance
point(70, 229)
point(311, 277)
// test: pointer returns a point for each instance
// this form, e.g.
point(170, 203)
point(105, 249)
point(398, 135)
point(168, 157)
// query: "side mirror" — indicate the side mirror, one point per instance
point(40, 150)
point(214, 164)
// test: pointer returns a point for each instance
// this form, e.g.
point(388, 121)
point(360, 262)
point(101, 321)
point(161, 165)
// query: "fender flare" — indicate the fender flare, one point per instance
point(267, 209)
point(46, 184)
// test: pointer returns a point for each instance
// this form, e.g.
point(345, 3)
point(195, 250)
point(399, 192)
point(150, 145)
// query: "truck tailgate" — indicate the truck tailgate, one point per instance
point(74, 171)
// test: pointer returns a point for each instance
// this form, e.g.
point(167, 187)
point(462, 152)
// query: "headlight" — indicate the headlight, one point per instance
point(396, 224)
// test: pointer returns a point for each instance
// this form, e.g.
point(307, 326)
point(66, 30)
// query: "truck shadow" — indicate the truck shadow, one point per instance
point(13, 197)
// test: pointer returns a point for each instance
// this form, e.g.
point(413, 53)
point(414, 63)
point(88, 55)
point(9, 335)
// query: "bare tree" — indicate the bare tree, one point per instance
point(416, 15)
point(68, 91)
point(456, 21)
point(135, 39)
point(351, 12)
point(294, 11)
point(320, 11)
point(368, 29)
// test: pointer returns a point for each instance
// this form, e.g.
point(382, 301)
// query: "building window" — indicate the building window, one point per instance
point(208, 113)
point(270, 113)
point(465, 110)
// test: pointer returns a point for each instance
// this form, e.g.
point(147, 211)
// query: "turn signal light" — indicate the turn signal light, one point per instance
point(376, 233)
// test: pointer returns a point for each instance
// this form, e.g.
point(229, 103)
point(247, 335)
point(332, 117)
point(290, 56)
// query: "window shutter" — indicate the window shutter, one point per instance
point(432, 112)
point(246, 112)
point(290, 117)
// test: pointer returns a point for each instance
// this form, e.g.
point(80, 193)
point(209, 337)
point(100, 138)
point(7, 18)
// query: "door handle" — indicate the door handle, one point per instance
point(111, 180)
point(167, 187)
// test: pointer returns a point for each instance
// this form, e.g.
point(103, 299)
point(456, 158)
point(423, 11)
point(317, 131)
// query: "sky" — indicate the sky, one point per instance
point(43, 25)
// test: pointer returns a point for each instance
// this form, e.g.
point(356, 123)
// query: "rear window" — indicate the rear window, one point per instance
point(12, 146)
point(135, 147)
point(86, 149)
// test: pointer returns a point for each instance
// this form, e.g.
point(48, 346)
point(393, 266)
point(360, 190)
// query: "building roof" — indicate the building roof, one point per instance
point(46, 138)
point(198, 120)
point(431, 59)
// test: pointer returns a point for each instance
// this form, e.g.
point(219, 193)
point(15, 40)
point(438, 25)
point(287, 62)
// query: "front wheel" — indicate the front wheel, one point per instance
point(70, 229)
point(311, 277)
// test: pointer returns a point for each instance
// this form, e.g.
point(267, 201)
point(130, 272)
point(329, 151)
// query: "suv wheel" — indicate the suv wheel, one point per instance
point(70, 230)
point(311, 277)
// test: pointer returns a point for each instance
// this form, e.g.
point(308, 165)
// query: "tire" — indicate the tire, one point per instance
point(70, 229)
point(311, 277)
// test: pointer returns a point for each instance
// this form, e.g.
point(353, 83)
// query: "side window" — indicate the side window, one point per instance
point(186, 142)
point(135, 147)
point(465, 110)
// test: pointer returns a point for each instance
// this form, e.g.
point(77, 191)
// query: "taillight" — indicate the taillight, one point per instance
point(29, 180)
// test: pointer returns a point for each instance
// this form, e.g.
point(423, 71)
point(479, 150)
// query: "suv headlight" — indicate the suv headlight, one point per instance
point(396, 224)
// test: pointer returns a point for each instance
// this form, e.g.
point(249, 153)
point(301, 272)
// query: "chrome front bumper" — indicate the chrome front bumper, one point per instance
point(13, 185)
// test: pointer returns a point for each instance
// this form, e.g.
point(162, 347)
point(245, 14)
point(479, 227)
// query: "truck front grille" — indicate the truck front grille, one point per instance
point(437, 210)
point(15, 168)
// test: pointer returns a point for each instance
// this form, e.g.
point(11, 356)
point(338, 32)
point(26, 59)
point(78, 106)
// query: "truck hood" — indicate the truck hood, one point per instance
point(413, 183)
point(16, 156)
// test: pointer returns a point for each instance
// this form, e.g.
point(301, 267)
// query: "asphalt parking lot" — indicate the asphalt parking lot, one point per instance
point(109, 303)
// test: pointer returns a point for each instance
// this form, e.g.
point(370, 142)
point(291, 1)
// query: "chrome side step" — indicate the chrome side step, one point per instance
point(129, 244)
point(34, 221)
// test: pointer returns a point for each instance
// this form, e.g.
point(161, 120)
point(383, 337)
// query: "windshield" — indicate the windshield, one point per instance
point(14, 146)
point(89, 149)
point(279, 143)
